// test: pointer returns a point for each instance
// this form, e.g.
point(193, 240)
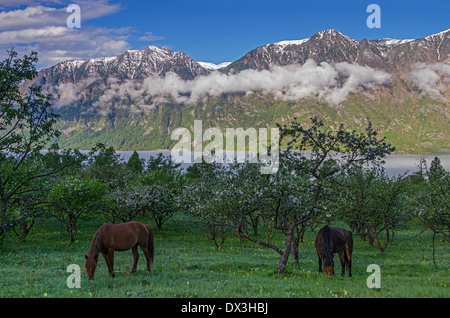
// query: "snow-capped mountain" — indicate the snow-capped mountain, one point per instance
point(214, 67)
point(390, 55)
point(134, 100)
point(332, 46)
point(131, 65)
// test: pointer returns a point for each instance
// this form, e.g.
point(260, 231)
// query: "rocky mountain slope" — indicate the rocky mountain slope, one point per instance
point(133, 64)
point(333, 47)
point(134, 100)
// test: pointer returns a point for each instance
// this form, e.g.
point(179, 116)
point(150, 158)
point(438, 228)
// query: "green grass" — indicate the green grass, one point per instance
point(188, 265)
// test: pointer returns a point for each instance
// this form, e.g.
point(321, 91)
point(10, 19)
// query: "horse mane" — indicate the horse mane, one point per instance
point(326, 248)
point(95, 247)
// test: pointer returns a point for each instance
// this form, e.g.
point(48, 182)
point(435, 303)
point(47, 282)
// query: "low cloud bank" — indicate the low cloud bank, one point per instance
point(331, 83)
point(428, 76)
point(292, 82)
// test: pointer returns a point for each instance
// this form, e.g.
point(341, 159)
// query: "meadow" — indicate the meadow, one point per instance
point(188, 265)
point(66, 191)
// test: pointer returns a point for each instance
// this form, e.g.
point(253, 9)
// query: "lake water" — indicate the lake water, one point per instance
point(395, 164)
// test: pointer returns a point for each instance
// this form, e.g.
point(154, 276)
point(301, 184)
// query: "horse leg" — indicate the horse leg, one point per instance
point(136, 257)
point(144, 246)
point(109, 258)
point(342, 259)
point(147, 257)
point(320, 262)
point(348, 254)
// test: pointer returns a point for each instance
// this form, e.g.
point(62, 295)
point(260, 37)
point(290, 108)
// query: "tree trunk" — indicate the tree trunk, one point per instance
point(3, 223)
point(381, 249)
point(254, 221)
point(295, 242)
point(297, 239)
point(70, 232)
point(434, 253)
point(26, 228)
point(287, 248)
point(71, 227)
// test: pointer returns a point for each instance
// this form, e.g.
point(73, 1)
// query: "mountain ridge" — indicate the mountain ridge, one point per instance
point(153, 54)
point(136, 98)
point(338, 47)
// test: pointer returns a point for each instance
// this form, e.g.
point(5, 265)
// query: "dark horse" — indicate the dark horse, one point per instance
point(120, 237)
point(333, 240)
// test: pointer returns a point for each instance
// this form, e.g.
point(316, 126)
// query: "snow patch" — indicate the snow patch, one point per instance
point(283, 44)
point(395, 41)
point(212, 66)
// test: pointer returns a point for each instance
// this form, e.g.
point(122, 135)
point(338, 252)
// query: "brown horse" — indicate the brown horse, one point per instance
point(120, 237)
point(333, 240)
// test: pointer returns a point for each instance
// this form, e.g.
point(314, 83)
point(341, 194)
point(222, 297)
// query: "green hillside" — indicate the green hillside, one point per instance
point(416, 124)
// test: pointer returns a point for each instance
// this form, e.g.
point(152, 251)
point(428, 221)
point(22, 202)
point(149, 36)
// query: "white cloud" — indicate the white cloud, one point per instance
point(37, 16)
point(65, 94)
point(357, 76)
point(292, 82)
point(427, 76)
point(32, 35)
point(43, 28)
point(57, 44)
point(150, 37)
point(9, 4)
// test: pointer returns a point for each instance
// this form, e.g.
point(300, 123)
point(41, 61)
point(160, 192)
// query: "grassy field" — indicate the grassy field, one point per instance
point(188, 265)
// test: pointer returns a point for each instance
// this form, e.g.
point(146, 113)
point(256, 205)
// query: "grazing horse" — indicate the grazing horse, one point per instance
point(333, 240)
point(120, 237)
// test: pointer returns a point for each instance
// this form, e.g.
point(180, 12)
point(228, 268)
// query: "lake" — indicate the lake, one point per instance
point(395, 164)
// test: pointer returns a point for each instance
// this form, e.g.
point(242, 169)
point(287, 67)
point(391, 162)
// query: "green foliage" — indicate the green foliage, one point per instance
point(73, 198)
point(135, 164)
point(224, 198)
point(105, 164)
point(235, 204)
point(26, 126)
point(424, 132)
point(239, 267)
point(430, 202)
point(163, 182)
point(137, 192)
point(128, 202)
point(371, 203)
point(227, 198)
point(66, 162)
point(25, 113)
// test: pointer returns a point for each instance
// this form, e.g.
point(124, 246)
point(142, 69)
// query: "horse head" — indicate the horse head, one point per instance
point(91, 264)
point(328, 265)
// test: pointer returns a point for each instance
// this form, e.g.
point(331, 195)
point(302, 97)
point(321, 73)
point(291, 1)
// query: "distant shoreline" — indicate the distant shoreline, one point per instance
point(442, 153)
point(395, 164)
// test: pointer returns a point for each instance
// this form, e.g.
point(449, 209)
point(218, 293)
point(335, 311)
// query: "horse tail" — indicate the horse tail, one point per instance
point(151, 242)
point(326, 240)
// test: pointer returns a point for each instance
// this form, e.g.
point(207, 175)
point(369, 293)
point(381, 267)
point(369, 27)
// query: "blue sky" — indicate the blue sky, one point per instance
point(207, 30)
point(218, 31)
